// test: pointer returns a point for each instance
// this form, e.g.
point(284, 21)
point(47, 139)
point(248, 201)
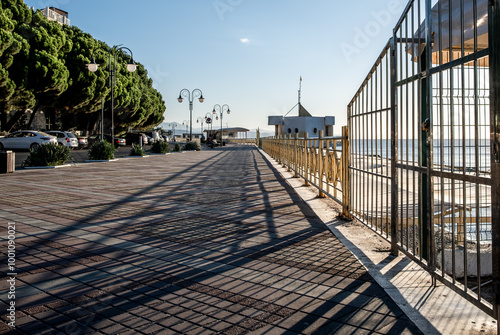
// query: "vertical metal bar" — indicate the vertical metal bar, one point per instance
point(378, 199)
point(346, 180)
point(494, 59)
point(321, 171)
point(426, 113)
point(463, 230)
point(418, 227)
point(359, 154)
point(307, 165)
point(400, 98)
point(387, 137)
point(406, 226)
point(430, 184)
point(441, 143)
point(394, 149)
point(424, 213)
point(477, 163)
point(296, 156)
point(452, 144)
point(414, 152)
point(371, 194)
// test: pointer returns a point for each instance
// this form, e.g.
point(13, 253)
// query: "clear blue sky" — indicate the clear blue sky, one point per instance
point(248, 54)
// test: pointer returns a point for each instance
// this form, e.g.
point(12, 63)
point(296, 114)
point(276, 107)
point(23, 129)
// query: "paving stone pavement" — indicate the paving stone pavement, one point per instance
point(209, 242)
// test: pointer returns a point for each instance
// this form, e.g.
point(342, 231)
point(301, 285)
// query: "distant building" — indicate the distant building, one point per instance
point(302, 124)
point(56, 14)
point(228, 133)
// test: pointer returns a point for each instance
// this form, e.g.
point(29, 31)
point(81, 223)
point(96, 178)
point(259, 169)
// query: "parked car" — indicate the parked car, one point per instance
point(83, 142)
point(26, 139)
point(119, 142)
point(134, 138)
point(64, 138)
point(150, 139)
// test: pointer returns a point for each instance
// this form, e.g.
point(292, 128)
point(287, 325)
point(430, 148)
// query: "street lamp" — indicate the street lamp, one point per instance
point(209, 120)
point(224, 108)
point(198, 121)
point(131, 67)
point(196, 93)
point(185, 123)
point(172, 124)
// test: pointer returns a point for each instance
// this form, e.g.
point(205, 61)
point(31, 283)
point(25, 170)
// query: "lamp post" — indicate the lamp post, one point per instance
point(198, 121)
point(209, 120)
point(224, 108)
point(185, 123)
point(131, 67)
point(185, 93)
point(172, 124)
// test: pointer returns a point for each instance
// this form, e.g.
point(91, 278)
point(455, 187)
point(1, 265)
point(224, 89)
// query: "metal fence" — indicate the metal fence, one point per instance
point(321, 162)
point(420, 158)
point(420, 130)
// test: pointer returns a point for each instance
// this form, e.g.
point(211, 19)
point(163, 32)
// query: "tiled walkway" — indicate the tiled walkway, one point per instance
point(210, 242)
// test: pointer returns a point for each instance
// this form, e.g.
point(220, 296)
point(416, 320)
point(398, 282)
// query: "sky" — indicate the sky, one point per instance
point(248, 54)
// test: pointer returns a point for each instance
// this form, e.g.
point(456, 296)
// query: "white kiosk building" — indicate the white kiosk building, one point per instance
point(302, 124)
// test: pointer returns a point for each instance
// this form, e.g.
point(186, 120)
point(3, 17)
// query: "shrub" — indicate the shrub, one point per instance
point(49, 154)
point(137, 150)
point(192, 146)
point(177, 147)
point(101, 151)
point(160, 147)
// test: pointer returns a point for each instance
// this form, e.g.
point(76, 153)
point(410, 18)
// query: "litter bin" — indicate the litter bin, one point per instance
point(7, 162)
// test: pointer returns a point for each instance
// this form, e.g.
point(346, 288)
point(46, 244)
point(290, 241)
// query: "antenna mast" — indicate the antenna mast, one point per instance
point(300, 87)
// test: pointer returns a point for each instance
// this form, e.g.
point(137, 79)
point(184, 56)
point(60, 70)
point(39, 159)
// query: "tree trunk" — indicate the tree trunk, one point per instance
point(32, 117)
point(13, 120)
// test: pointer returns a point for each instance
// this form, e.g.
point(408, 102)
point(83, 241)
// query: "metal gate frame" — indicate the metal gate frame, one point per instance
point(407, 87)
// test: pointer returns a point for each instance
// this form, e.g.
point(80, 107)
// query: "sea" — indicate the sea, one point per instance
point(463, 155)
point(471, 157)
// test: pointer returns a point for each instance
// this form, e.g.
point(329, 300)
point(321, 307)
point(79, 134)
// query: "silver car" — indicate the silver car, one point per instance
point(64, 138)
point(25, 139)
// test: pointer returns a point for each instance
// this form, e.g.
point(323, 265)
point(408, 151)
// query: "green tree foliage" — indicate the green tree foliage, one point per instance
point(43, 64)
point(82, 100)
point(142, 105)
point(14, 16)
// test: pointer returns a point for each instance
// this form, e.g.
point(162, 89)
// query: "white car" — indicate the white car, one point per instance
point(26, 139)
point(64, 138)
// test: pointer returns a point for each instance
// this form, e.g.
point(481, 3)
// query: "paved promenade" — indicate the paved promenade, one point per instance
point(210, 242)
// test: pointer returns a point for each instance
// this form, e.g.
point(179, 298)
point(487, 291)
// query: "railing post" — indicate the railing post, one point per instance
point(306, 159)
point(394, 151)
point(321, 171)
point(494, 46)
point(288, 153)
point(296, 155)
point(346, 181)
point(278, 143)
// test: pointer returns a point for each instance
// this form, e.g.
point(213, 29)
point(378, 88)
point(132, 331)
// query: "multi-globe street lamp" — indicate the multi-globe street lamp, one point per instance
point(131, 67)
point(224, 108)
point(185, 93)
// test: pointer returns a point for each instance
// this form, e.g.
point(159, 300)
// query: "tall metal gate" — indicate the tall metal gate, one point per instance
point(421, 137)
